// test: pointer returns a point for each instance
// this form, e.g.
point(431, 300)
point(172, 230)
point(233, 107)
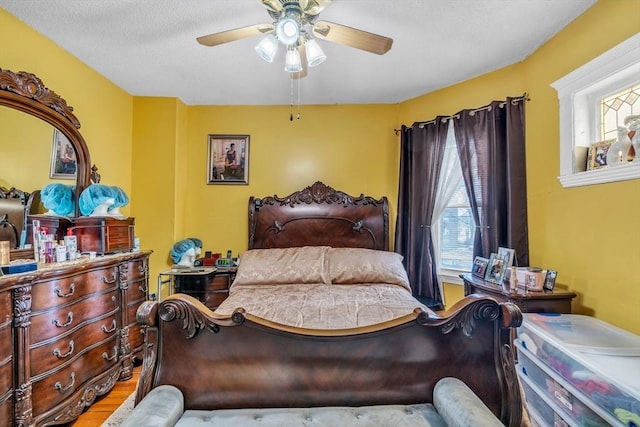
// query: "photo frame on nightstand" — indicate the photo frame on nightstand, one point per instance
point(550, 280)
point(509, 255)
point(496, 269)
point(479, 267)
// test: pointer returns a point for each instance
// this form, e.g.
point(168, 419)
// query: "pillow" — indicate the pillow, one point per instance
point(356, 265)
point(283, 266)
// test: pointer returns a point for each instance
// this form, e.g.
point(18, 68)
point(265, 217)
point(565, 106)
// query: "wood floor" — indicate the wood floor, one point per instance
point(103, 407)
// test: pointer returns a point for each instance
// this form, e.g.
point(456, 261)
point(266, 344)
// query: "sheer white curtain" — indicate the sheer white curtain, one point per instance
point(450, 177)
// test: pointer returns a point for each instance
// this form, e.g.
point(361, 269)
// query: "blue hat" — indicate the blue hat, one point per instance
point(180, 248)
point(93, 196)
point(120, 197)
point(58, 198)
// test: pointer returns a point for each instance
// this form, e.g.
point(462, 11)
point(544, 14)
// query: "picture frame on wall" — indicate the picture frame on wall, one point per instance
point(479, 267)
point(496, 269)
point(63, 158)
point(228, 159)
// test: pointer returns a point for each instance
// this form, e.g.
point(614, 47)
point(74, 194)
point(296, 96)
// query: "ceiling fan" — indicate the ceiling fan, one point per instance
point(293, 23)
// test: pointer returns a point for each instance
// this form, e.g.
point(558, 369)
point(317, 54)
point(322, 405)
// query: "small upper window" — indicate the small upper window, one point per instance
point(615, 108)
point(594, 101)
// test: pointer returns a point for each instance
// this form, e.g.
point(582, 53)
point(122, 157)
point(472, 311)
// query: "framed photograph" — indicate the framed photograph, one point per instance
point(508, 255)
point(228, 159)
point(495, 269)
point(597, 155)
point(479, 267)
point(550, 280)
point(63, 157)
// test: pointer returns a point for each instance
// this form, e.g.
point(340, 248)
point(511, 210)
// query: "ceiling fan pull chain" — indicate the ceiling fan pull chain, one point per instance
point(299, 98)
point(291, 93)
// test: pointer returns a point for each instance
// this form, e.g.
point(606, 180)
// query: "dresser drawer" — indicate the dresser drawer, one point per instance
point(6, 309)
point(6, 411)
point(6, 343)
point(56, 352)
point(67, 289)
point(219, 282)
point(67, 319)
point(6, 375)
point(136, 336)
point(214, 299)
point(136, 270)
point(51, 389)
point(137, 292)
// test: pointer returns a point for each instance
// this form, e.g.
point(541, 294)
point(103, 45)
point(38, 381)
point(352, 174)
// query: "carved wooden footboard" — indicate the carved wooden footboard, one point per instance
point(246, 362)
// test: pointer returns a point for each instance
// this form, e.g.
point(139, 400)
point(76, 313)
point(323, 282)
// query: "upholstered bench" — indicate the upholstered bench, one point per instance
point(454, 405)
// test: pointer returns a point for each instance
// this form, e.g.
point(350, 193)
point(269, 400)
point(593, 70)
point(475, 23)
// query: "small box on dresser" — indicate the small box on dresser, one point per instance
point(56, 225)
point(104, 235)
point(577, 370)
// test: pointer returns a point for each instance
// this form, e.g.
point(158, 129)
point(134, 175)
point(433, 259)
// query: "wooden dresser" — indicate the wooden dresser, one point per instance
point(68, 332)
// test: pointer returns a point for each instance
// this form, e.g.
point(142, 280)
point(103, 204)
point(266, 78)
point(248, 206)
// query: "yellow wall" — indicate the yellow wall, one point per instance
point(591, 235)
point(104, 110)
point(156, 149)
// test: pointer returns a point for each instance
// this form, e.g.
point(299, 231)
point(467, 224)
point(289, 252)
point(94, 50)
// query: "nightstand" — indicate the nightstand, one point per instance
point(528, 302)
point(209, 285)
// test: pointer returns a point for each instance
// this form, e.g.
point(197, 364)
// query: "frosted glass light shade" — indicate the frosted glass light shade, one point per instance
point(315, 55)
point(292, 63)
point(267, 48)
point(288, 31)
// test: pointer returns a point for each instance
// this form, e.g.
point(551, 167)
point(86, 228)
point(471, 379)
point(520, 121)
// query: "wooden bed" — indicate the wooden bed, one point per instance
point(244, 361)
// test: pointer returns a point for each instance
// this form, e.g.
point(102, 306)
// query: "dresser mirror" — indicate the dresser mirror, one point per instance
point(30, 115)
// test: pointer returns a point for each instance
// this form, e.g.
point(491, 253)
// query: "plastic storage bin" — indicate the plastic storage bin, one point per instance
point(596, 363)
point(570, 404)
point(541, 410)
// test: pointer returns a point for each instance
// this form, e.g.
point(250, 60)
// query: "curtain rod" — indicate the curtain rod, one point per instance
point(514, 101)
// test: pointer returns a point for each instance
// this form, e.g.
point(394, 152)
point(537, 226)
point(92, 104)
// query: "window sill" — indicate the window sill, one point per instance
point(601, 176)
point(451, 277)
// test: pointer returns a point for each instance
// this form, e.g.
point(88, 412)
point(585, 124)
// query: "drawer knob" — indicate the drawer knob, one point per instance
point(57, 323)
point(58, 353)
point(58, 385)
point(58, 291)
point(107, 330)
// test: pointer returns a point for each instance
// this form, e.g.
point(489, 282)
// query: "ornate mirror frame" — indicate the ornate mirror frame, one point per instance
point(25, 92)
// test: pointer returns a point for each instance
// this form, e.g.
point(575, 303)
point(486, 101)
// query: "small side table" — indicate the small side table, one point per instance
point(527, 301)
point(208, 284)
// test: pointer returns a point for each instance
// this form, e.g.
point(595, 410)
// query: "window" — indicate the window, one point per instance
point(583, 120)
point(453, 226)
point(457, 230)
point(614, 108)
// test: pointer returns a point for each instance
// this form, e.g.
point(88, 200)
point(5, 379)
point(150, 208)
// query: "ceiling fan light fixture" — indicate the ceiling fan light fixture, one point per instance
point(288, 31)
point(315, 55)
point(292, 63)
point(267, 48)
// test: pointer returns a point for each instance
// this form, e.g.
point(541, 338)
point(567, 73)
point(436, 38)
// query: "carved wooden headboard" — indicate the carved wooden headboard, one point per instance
point(318, 215)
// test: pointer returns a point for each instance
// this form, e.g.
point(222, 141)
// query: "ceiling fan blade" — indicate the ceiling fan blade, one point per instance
point(216, 39)
point(273, 5)
point(313, 7)
point(359, 39)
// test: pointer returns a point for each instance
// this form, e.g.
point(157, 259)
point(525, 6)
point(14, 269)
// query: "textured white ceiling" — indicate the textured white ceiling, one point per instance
point(148, 47)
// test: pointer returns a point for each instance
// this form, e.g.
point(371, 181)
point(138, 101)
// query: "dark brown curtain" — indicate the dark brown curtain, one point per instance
point(491, 146)
point(422, 150)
